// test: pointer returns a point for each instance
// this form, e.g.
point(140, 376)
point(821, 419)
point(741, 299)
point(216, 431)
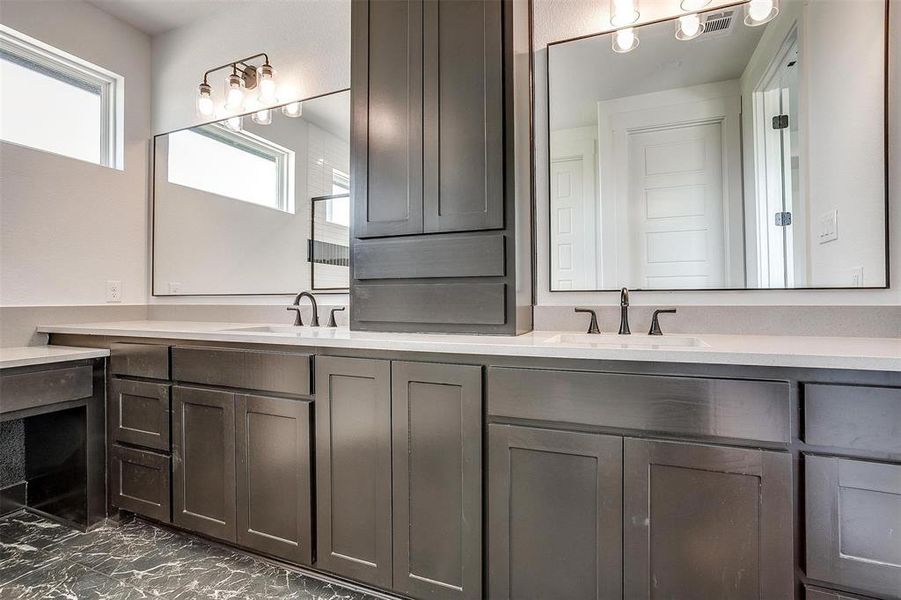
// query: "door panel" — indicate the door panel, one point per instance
point(572, 251)
point(353, 468)
point(273, 470)
point(555, 514)
point(387, 117)
point(437, 431)
point(706, 522)
point(463, 116)
point(203, 451)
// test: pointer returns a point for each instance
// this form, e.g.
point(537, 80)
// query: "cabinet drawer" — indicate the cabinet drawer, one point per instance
point(854, 417)
point(139, 360)
point(247, 369)
point(741, 409)
point(33, 390)
point(853, 520)
point(818, 594)
point(139, 482)
point(139, 413)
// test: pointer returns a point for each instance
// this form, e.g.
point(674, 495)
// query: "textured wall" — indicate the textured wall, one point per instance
point(12, 452)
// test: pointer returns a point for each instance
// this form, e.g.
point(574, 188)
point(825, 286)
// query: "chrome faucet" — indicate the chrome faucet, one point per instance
point(624, 312)
point(295, 306)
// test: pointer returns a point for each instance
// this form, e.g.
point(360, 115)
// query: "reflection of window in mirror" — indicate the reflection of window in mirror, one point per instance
point(339, 212)
point(748, 156)
point(330, 242)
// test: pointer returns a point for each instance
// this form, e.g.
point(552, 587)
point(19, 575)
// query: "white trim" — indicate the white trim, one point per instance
point(111, 87)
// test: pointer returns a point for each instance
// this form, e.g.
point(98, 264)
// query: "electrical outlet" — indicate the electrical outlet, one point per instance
point(829, 227)
point(113, 291)
point(857, 277)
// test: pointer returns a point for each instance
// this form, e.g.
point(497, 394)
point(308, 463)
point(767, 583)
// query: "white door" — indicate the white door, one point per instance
point(675, 210)
point(572, 256)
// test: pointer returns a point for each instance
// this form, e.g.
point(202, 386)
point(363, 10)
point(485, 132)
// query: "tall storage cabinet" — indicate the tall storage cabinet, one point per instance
point(439, 165)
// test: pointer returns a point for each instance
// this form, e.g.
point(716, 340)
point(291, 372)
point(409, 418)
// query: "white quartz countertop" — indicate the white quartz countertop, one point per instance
point(874, 354)
point(39, 355)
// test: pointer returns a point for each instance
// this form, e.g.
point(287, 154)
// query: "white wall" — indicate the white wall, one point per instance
point(67, 226)
point(562, 19)
point(308, 42)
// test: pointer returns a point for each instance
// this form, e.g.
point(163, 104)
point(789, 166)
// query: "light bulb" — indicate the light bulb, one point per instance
point(293, 110)
point(689, 27)
point(758, 12)
point(235, 123)
point(262, 117)
point(205, 100)
point(234, 95)
point(625, 40)
point(694, 5)
point(623, 12)
point(266, 83)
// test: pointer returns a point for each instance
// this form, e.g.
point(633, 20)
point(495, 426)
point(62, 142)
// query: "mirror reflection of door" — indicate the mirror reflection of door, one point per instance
point(571, 252)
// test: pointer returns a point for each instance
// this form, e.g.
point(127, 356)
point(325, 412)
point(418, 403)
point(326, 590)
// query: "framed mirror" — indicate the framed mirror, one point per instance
point(235, 202)
point(722, 150)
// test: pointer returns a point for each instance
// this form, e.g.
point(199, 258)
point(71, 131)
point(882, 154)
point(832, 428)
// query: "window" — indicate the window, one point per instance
point(53, 101)
point(234, 164)
point(339, 212)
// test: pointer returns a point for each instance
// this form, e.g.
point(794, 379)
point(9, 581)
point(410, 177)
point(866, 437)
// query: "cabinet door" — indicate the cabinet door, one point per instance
point(139, 482)
point(853, 524)
point(353, 468)
point(139, 413)
point(437, 429)
point(387, 117)
point(463, 115)
point(203, 453)
point(274, 487)
point(555, 514)
point(706, 522)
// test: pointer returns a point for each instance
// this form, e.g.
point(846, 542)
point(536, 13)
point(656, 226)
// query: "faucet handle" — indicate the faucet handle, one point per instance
point(298, 321)
point(593, 325)
point(655, 324)
point(331, 316)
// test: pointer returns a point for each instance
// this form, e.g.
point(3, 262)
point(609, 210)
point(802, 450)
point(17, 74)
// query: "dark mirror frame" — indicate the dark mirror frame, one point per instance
point(885, 84)
point(152, 176)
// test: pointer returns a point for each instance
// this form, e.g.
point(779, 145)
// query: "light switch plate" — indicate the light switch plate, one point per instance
point(174, 287)
point(113, 291)
point(829, 227)
point(857, 277)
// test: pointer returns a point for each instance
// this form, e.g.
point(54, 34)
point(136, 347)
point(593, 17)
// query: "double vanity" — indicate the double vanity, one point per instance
point(548, 465)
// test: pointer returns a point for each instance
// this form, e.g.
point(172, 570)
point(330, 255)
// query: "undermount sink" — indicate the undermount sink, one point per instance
point(281, 329)
point(627, 341)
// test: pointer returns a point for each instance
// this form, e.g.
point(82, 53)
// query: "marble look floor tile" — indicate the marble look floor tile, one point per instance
point(108, 547)
point(64, 579)
point(33, 530)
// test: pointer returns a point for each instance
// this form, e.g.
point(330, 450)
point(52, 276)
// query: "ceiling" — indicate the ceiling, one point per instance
point(331, 113)
point(159, 16)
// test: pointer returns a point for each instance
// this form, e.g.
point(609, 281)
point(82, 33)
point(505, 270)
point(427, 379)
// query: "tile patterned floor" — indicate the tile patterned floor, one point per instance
point(136, 560)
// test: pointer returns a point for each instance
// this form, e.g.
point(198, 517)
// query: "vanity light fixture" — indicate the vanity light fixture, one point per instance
point(623, 12)
point(244, 77)
point(262, 117)
point(625, 40)
point(693, 5)
point(235, 123)
point(688, 27)
point(758, 12)
point(293, 110)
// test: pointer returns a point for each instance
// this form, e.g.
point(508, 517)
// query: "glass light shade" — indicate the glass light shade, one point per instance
point(205, 100)
point(758, 12)
point(293, 110)
point(262, 117)
point(266, 84)
point(688, 27)
point(623, 12)
point(625, 40)
point(694, 5)
point(234, 92)
point(235, 123)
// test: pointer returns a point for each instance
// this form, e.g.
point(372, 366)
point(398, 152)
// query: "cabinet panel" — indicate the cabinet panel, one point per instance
point(203, 451)
point(430, 256)
point(353, 468)
point(139, 360)
point(853, 520)
point(856, 417)
point(273, 476)
point(264, 370)
point(706, 522)
point(463, 115)
point(139, 413)
point(555, 514)
point(387, 113)
point(139, 482)
point(437, 415)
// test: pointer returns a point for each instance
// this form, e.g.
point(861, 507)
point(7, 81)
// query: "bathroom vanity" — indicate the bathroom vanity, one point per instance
point(510, 467)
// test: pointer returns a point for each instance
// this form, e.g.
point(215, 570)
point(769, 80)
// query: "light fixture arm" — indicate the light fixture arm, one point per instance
point(234, 65)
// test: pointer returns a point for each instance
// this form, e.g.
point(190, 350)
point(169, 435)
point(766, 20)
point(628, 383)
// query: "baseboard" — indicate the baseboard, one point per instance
point(13, 497)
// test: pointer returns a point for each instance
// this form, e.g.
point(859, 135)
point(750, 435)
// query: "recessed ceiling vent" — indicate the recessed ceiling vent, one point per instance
point(718, 24)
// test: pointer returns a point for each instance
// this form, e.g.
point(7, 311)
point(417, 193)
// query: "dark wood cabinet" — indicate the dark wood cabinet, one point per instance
point(353, 468)
point(273, 476)
point(555, 514)
point(139, 482)
point(139, 413)
point(203, 456)
point(706, 522)
point(437, 449)
point(853, 522)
